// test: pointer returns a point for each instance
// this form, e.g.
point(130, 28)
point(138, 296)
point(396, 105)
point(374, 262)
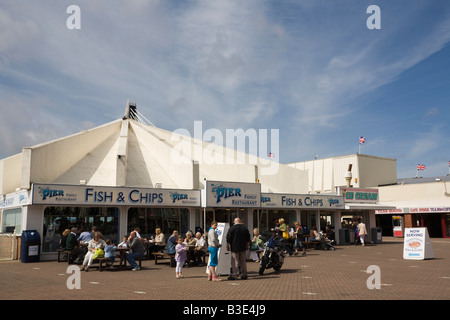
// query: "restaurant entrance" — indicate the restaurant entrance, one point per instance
point(433, 222)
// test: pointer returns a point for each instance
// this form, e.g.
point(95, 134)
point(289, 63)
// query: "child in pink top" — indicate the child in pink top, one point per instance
point(180, 256)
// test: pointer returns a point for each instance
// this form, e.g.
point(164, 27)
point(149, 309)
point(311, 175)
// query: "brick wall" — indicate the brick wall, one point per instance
point(9, 246)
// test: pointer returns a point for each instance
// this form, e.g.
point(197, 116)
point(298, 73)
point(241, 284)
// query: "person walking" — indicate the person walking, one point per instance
point(238, 241)
point(362, 230)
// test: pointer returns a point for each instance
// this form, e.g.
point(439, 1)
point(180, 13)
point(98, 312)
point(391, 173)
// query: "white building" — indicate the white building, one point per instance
point(414, 202)
point(125, 174)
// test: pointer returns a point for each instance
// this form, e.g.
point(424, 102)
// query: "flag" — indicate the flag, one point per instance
point(271, 155)
point(362, 140)
point(421, 167)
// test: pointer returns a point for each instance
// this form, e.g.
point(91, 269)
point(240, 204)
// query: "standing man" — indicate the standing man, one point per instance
point(238, 240)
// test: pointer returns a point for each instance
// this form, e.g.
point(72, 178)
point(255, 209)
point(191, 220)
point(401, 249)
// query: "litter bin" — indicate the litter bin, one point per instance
point(344, 236)
point(30, 248)
point(376, 235)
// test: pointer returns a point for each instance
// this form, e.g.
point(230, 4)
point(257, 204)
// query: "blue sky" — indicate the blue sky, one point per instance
point(311, 69)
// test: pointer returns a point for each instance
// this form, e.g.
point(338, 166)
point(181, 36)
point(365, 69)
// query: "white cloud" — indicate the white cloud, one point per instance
point(297, 66)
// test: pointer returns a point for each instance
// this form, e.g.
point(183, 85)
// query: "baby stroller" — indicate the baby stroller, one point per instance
point(325, 243)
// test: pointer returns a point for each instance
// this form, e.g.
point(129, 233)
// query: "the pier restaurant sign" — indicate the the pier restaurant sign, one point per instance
point(233, 194)
point(53, 194)
point(301, 201)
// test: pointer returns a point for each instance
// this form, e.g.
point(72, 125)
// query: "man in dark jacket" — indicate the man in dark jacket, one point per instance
point(73, 245)
point(71, 241)
point(137, 250)
point(238, 241)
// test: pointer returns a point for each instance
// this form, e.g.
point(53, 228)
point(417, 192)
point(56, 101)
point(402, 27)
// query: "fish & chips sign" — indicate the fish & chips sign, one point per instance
point(90, 195)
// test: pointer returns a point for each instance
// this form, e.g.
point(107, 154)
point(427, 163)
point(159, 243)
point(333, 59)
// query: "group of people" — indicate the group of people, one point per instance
point(186, 249)
point(192, 248)
point(87, 246)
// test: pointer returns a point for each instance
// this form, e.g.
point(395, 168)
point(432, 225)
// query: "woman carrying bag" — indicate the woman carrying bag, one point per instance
point(94, 247)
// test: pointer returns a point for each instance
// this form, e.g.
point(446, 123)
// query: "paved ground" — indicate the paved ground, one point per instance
point(321, 275)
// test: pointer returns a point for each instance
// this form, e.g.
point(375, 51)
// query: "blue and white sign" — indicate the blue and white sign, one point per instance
point(301, 201)
point(233, 194)
point(16, 199)
point(53, 194)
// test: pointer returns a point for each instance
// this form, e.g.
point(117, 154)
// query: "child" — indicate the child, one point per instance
point(110, 250)
point(124, 242)
point(180, 256)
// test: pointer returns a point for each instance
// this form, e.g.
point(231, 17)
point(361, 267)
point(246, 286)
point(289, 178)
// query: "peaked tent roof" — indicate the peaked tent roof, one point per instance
point(126, 152)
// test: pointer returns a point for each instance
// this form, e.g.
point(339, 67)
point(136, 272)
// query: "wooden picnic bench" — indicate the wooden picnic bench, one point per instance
point(163, 255)
point(312, 244)
point(64, 251)
point(101, 261)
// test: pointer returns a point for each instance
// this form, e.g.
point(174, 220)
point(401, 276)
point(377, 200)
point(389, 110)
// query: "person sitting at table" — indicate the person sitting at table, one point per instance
point(73, 245)
point(110, 252)
point(190, 241)
point(200, 249)
point(85, 236)
point(157, 243)
point(138, 234)
point(93, 245)
point(137, 250)
point(124, 242)
point(172, 242)
point(330, 233)
point(314, 234)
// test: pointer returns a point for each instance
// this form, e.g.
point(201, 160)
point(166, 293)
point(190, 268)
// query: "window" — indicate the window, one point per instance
point(168, 219)
point(12, 220)
point(57, 219)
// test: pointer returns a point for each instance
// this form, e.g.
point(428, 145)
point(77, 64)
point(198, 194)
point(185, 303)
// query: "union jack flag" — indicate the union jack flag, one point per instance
point(362, 140)
point(421, 167)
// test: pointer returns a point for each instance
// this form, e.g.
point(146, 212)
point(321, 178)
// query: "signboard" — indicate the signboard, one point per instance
point(417, 245)
point(301, 201)
point(429, 210)
point(360, 195)
point(114, 196)
point(17, 199)
point(390, 211)
point(223, 256)
point(233, 194)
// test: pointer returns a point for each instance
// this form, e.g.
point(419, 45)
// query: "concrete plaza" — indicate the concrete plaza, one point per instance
point(320, 275)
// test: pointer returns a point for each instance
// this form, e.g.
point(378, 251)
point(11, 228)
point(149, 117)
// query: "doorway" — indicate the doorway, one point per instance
point(433, 222)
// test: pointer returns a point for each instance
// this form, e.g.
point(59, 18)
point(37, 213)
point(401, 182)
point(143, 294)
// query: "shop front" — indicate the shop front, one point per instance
point(307, 209)
point(115, 211)
point(435, 219)
point(362, 204)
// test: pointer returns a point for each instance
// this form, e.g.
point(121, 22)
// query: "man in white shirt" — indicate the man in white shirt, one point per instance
point(200, 249)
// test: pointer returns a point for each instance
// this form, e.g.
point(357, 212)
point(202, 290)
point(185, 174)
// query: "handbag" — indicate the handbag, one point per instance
point(254, 246)
point(99, 253)
point(285, 235)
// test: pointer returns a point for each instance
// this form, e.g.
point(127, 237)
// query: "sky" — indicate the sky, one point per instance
point(311, 69)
